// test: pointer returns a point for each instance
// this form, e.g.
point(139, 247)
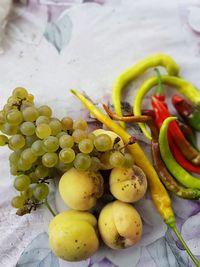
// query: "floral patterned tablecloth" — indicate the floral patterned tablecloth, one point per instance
point(51, 46)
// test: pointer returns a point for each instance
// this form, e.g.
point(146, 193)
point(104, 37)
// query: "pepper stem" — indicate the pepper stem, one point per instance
point(49, 207)
point(159, 89)
point(174, 228)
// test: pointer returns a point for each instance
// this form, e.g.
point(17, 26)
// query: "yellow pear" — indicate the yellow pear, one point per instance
point(128, 184)
point(72, 235)
point(81, 189)
point(120, 225)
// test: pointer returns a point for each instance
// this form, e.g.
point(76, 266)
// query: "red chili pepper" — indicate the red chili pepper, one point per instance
point(161, 113)
point(184, 107)
point(187, 165)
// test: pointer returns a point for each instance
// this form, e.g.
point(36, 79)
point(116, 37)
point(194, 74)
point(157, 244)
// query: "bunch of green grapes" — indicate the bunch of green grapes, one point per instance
point(43, 145)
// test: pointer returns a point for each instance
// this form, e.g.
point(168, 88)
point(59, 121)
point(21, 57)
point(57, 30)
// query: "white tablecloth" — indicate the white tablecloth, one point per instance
point(51, 46)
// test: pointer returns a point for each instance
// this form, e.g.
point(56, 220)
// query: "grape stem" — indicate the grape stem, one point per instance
point(196, 262)
point(49, 208)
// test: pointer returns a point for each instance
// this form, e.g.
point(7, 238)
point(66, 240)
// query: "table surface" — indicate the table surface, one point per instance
point(51, 46)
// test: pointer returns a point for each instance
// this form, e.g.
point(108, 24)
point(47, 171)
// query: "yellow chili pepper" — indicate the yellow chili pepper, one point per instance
point(158, 192)
point(181, 85)
point(133, 72)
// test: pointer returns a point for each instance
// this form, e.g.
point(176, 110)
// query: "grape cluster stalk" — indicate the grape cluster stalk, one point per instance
point(44, 146)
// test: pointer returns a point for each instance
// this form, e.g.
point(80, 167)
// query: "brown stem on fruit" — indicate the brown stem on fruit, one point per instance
point(132, 140)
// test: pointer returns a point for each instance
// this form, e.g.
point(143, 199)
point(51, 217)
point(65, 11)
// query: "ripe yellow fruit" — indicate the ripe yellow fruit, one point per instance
point(81, 189)
point(128, 185)
point(72, 235)
point(120, 225)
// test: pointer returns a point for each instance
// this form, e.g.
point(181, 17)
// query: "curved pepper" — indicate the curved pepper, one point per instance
point(158, 192)
point(181, 175)
point(188, 133)
point(189, 112)
point(162, 171)
point(134, 71)
point(181, 85)
point(178, 137)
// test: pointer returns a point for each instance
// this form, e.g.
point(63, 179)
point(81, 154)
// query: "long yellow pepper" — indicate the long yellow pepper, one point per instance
point(158, 192)
point(184, 87)
point(137, 69)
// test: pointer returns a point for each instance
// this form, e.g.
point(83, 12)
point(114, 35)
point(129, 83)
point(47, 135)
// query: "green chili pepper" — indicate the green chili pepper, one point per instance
point(180, 174)
point(159, 194)
point(166, 178)
point(133, 72)
point(181, 85)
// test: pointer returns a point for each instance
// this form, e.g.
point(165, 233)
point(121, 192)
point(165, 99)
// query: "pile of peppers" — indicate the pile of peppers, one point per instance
point(174, 153)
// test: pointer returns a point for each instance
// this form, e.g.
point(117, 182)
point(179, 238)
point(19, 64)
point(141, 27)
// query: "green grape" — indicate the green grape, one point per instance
point(66, 141)
point(25, 105)
point(82, 161)
point(37, 148)
point(40, 191)
point(2, 118)
point(80, 124)
point(9, 129)
point(51, 144)
point(128, 160)
point(95, 164)
point(42, 119)
point(27, 128)
point(79, 135)
point(45, 111)
point(23, 165)
point(41, 171)
point(11, 99)
point(67, 155)
point(14, 169)
point(14, 117)
point(91, 136)
point(49, 159)
point(28, 156)
point(14, 157)
point(30, 140)
point(86, 146)
point(117, 159)
point(103, 142)
point(33, 177)
point(63, 167)
point(61, 134)
point(27, 194)
point(56, 126)
point(17, 141)
point(30, 98)
point(8, 107)
point(20, 92)
point(22, 182)
point(30, 114)
point(43, 131)
point(67, 123)
point(3, 140)
point(18, 202)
